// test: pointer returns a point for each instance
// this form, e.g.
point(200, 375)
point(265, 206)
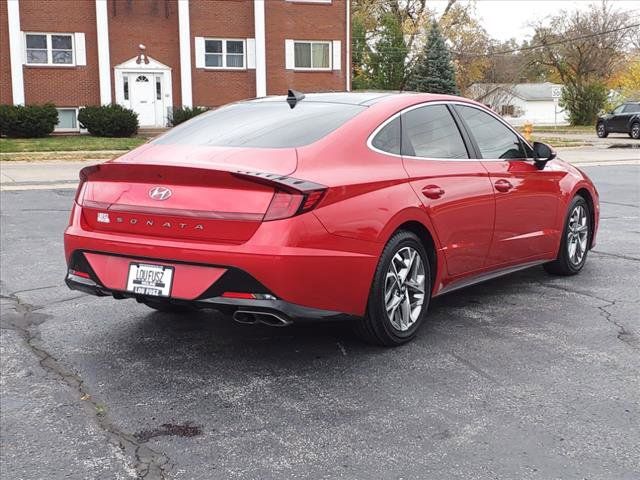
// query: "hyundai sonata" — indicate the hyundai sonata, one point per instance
point(360, 206)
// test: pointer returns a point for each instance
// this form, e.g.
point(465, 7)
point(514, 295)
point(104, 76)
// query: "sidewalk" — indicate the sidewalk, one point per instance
point(23, 175)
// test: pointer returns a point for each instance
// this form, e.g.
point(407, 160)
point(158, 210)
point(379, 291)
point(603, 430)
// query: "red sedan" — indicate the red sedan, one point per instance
point(338, 205)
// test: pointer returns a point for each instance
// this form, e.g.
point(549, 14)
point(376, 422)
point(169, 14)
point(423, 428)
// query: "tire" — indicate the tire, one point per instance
point(168, 307)
point(574, 239)
point(635, 131)
point(380, 328)
point(601, 130)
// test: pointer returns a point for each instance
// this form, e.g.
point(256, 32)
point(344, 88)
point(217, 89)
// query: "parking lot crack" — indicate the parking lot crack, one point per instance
point(24, 319)
point(615, 255)
point(624, 335)
point(475, 369)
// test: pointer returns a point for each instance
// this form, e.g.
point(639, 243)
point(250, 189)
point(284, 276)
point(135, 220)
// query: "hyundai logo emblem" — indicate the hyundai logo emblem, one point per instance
point(160, 193)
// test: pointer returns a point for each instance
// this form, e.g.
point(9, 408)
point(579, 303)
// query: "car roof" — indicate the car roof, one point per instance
point(349, 98)
point(364, 98)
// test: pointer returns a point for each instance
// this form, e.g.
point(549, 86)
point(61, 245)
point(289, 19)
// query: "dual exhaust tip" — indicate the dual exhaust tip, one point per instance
point(253, 317)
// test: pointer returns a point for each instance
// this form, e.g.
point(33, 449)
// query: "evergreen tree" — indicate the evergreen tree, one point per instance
point(434, 72)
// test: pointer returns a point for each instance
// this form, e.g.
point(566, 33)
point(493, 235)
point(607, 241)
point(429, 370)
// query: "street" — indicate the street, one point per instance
point(525, 377)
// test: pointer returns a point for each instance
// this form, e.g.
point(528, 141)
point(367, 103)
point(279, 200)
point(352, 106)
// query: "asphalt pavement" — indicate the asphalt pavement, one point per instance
point(525, 377)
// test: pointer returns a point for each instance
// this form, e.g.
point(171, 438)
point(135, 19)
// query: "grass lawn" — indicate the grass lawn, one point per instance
point(559, 142)
point(68, 143)
point(563, 129)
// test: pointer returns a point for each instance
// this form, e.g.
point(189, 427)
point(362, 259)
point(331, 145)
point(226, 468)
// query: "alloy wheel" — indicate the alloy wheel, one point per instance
point(635, 130)
point(601, 129)
point(404, 289)
point(577, 235)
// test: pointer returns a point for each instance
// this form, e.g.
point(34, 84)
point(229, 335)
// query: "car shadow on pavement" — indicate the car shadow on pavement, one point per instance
point(208, 336)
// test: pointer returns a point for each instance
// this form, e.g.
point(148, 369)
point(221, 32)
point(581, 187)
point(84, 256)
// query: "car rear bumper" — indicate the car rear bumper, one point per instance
point(309, 272)
point(253, 309)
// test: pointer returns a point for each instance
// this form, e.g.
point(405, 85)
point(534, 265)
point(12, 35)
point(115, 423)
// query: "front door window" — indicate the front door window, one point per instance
point(494, 139)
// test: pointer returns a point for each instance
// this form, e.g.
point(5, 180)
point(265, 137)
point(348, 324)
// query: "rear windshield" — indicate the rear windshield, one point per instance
point(262, 125)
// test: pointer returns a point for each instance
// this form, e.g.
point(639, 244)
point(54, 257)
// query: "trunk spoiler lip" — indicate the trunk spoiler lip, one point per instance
point(284, 182)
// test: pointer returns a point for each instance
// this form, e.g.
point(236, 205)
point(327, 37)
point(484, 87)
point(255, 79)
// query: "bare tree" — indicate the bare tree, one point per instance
point(581, 46)
point(583, 49)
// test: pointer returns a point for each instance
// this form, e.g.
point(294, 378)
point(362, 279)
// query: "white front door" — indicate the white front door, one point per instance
point(143, 97)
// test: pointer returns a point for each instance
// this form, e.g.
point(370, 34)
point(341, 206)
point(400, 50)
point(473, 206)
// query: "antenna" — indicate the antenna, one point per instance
point(293, 97)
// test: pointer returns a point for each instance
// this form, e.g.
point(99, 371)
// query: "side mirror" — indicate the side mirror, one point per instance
point(542, 154)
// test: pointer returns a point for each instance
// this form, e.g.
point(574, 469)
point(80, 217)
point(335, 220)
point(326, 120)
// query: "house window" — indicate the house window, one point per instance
point(67, 120)
point(312, 55)
point(125, 80)
point(49, 48)
point(220, 53)
point(507, 110)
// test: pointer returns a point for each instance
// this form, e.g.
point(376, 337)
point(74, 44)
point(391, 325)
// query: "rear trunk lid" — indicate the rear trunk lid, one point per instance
point(183, 193)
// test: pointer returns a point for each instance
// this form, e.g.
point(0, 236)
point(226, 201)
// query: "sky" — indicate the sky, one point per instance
point(505, 19)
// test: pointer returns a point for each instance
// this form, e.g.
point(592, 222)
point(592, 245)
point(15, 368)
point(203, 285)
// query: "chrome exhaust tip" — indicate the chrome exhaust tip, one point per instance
point(251, 317)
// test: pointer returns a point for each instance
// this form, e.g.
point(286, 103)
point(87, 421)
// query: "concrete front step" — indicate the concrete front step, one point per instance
point(151, 131)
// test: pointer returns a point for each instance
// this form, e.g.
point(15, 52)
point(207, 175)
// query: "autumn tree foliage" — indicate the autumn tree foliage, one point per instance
point(588, 51)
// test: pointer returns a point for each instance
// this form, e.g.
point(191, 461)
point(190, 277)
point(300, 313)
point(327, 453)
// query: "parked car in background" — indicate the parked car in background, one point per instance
point(624, 118)
point(337, 205)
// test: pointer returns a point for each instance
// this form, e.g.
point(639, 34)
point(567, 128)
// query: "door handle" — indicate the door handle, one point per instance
point(432, 191)
point(503, 185)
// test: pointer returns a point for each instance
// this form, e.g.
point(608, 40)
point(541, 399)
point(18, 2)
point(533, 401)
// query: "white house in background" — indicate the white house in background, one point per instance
point(522, 102)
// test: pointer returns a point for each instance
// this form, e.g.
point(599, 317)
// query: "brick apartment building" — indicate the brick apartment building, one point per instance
point(150, 55)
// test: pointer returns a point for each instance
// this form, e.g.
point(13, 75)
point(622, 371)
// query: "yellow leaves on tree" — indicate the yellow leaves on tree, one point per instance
point(627, 79)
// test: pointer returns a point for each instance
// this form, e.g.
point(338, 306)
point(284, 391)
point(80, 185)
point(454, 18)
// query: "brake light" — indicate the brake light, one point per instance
point(287, 204)
point(292, 196)
point(313, 198)
point(283, 205)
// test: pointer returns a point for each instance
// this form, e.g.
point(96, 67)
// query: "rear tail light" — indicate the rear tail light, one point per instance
point(292, 196)
point(287, 204)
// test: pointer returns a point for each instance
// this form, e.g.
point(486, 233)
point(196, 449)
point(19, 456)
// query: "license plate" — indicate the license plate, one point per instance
point(152, 280)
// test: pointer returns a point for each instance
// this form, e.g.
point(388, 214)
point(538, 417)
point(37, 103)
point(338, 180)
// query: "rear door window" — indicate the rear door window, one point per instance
point(431, 132)
point(495, 140)
point(388, 138)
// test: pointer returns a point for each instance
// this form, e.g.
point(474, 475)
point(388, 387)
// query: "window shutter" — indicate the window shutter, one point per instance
point(251, 53)
point(337, 50)
point(199, 52)
point(289, 55)
point(81, 51)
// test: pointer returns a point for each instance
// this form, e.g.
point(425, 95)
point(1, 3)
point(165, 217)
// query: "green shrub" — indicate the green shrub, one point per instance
point(109, 121)
point(583, 102)
point(19, 121)
point(182, 114)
